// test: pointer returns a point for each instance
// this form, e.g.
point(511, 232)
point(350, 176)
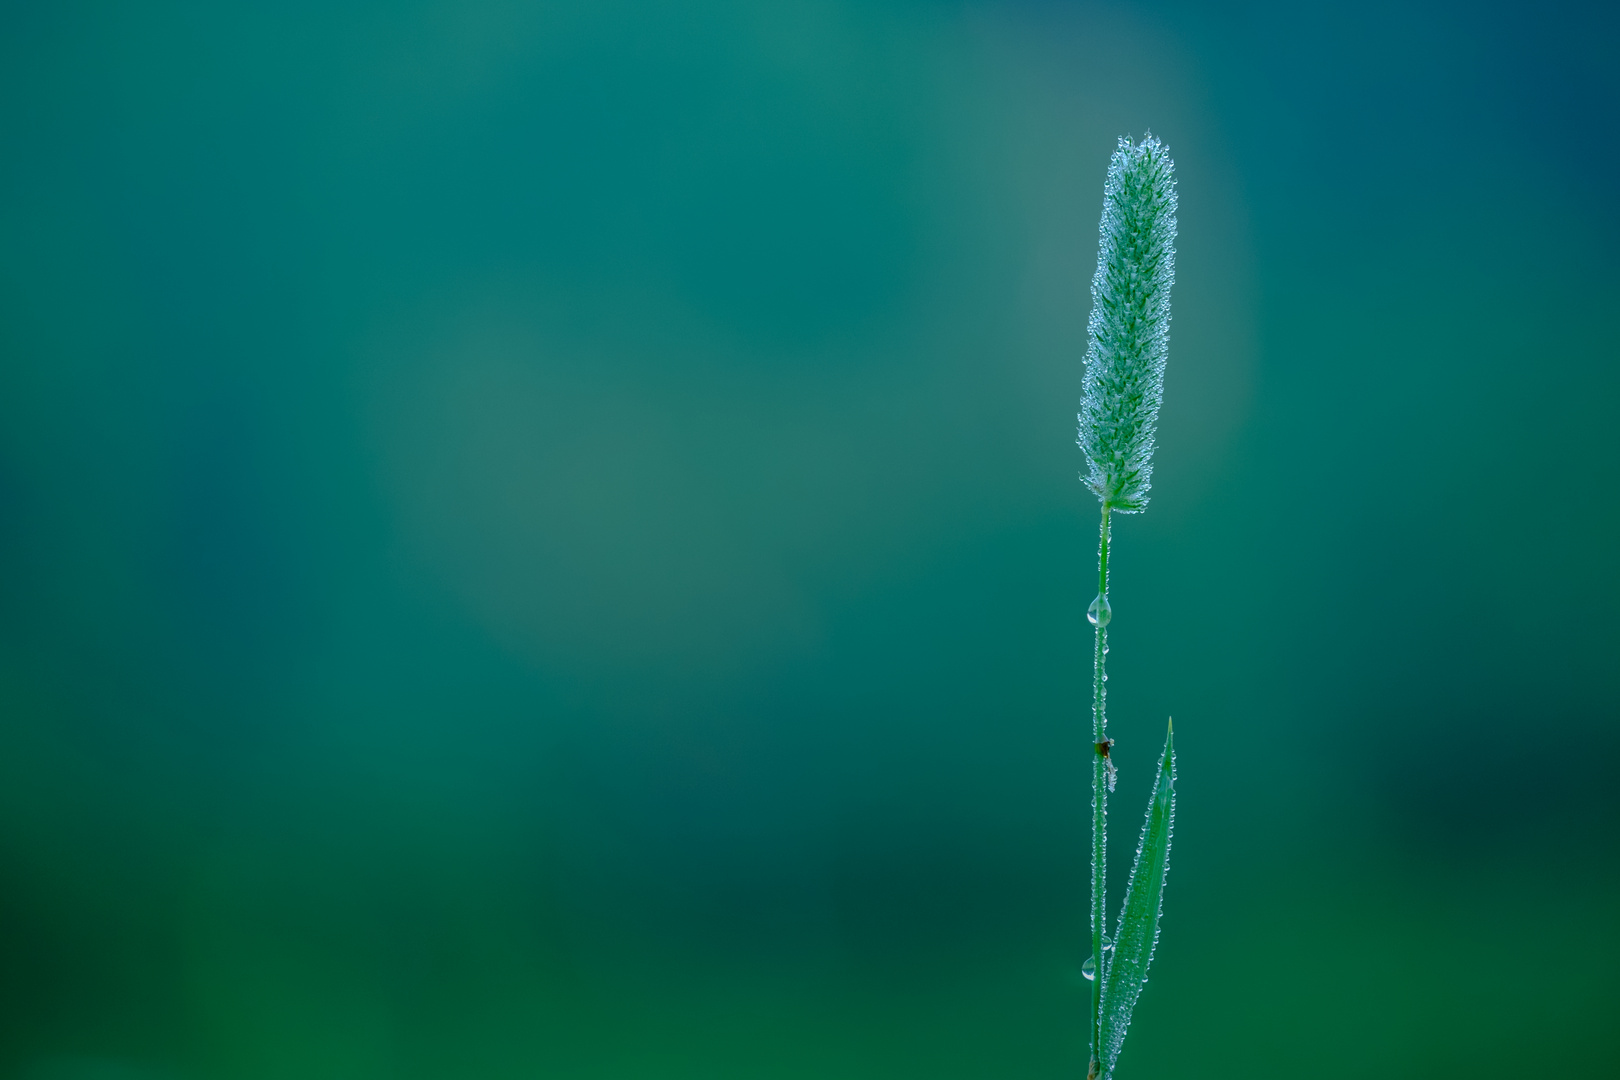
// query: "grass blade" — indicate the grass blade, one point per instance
point(1139, 919)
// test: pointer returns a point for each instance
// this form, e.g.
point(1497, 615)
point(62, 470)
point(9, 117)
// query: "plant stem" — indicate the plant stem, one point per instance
point(1099, 798)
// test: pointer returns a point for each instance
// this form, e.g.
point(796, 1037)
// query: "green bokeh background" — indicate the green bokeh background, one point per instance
point(542, 540)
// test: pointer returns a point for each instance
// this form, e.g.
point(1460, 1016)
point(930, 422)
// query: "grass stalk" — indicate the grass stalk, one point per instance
point(1129, 334)
point(1099, 614)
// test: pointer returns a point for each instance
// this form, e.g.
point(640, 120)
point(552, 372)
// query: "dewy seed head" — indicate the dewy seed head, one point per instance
point(1129, 329)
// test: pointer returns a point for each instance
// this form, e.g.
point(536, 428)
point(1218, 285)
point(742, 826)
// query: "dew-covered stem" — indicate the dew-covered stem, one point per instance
point(1129, 336)
point(1099, 615)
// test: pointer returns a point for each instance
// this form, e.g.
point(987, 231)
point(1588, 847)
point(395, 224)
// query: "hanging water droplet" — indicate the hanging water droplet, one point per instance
point(1089, 968)
point(1108, 944)
point(1099, 612)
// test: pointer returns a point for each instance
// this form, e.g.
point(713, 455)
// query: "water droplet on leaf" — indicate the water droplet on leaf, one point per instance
point(1089, 968)
point(1099, 612)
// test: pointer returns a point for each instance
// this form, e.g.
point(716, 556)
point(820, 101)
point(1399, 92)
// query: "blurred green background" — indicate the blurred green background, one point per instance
point(543, 540)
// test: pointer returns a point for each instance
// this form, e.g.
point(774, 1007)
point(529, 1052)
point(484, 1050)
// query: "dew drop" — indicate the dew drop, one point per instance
point(1099, 612)
point(1089, 968)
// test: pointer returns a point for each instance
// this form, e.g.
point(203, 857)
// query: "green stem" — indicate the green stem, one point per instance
point(1099, 797)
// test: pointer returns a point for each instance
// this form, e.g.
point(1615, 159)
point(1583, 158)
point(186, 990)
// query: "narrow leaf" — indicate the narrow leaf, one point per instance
point(1139, 919)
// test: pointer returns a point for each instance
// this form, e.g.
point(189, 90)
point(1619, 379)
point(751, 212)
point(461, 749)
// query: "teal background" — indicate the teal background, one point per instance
point(544, 540)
